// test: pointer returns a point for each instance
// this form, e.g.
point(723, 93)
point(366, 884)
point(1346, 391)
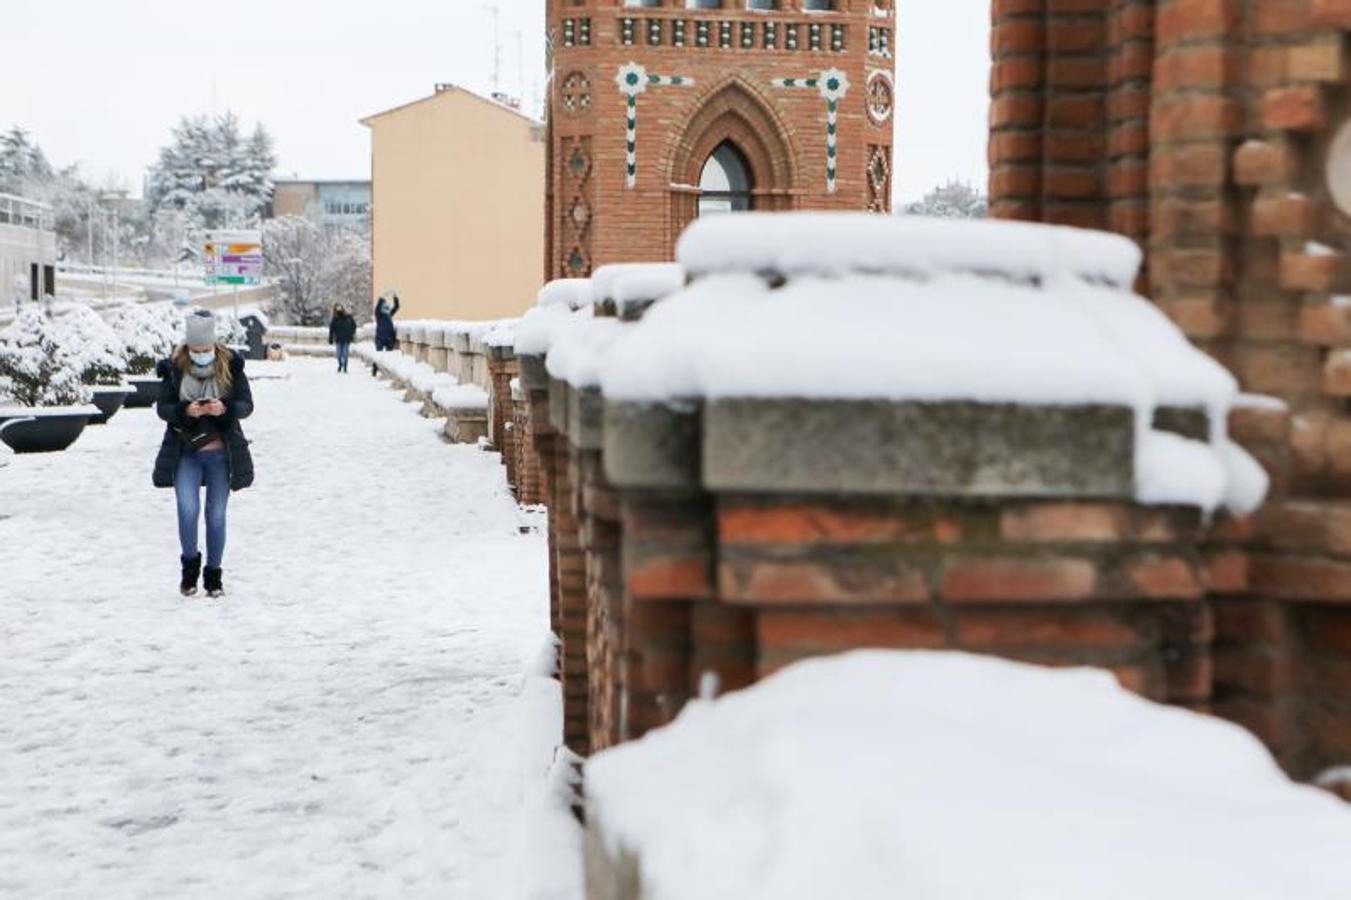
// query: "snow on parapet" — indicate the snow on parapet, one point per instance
point(624, 283)
point(579, 345)
point(835, 244)
point(872, 308)
point(880, 775)
point(573, 293)
point(535, 333)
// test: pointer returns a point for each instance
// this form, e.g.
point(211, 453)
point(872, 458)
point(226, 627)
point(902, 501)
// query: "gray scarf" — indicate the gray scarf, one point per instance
point(199, 384)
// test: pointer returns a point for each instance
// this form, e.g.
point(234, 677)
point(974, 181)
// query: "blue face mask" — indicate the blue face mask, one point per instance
point(202, 360)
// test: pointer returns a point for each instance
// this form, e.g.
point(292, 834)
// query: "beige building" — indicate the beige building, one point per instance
point(458, 206)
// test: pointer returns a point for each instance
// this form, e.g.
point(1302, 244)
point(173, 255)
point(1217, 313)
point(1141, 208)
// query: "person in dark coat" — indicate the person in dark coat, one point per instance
point(342, 330)
point(386, 336)
point(204, 394)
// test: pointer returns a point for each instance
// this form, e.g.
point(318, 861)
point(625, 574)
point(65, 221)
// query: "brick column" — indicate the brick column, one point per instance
point(1195, 123)
point(1073, 179)
point(1017, 85)
point(1130, 38)
point(502, 368)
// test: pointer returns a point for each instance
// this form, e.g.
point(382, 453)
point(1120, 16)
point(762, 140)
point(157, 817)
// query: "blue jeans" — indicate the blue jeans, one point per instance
point(343, 351)
point(211, 468)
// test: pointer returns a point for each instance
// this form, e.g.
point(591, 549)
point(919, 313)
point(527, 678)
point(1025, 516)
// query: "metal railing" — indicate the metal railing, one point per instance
point(25, 213)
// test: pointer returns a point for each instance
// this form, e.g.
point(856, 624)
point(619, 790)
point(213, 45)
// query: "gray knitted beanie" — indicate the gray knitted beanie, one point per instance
point(199, 329)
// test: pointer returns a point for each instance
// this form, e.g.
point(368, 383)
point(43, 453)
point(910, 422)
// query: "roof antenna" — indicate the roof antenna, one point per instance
point(497, 46)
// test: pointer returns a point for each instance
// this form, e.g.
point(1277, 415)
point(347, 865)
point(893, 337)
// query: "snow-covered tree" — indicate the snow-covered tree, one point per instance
point(74, 201)
point(147, 334)
point(97, 349)
point(21, 161)
point(36, 367)
point(954, 200)
point(316, 267)
point(214, 174)
point(229, 330)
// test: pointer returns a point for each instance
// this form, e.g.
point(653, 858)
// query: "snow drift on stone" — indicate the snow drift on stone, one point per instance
point(954, 777)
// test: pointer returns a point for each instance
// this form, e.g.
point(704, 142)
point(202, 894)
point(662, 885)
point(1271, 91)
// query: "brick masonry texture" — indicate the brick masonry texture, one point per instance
point(1245, 251)
point(730, 63)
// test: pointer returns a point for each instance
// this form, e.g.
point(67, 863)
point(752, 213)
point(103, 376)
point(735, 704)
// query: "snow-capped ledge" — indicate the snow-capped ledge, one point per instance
point(984, 351)
point(947, 777)
point(836, 244)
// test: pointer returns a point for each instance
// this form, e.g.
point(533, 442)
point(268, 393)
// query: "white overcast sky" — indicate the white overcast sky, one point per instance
point(101, 82)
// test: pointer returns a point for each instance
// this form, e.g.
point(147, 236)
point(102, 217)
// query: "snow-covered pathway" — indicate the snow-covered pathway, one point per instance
point(345, 723)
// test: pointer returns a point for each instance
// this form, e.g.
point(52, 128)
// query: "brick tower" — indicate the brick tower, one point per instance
point(661, 109)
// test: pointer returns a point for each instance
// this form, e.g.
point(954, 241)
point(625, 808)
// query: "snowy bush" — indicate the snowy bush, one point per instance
point(148, 335)
point(97, 349)
point(36, 367)
point(230, 331)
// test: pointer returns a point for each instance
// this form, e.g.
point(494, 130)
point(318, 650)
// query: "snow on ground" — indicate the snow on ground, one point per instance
point(348, 722)
point(945, 776)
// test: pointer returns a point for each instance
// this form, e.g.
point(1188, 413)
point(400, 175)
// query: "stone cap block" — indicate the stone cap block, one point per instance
point(500, 352)
point(652, 445)
point(534, 374)
point(585, 417)
point(634, 310)
point(1189, 422)
point(951, 449)
point(459, 341)
point(558, 405)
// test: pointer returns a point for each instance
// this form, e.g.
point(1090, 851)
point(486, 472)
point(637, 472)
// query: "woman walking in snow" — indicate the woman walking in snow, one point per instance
point(204, 394)
point(342, 330)
point(386, 337)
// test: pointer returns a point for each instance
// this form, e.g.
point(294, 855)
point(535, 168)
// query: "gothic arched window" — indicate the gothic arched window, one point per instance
point(725, 185)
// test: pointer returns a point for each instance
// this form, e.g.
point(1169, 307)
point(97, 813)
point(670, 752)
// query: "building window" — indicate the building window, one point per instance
point(725, 184)
point(818, 5)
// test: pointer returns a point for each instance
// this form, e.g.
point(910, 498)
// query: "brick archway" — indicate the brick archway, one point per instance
point(733, 112)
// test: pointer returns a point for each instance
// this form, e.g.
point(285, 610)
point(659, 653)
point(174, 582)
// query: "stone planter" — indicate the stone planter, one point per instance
point(109, 400)
point(146, 388)
point(44, 429)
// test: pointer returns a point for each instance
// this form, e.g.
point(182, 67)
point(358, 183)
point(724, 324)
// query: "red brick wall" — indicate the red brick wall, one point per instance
point(1243, 100)
point(782, 131)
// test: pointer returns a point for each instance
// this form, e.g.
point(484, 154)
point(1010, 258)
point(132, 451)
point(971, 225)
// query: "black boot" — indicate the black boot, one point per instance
point(213, 585)
point(191, 569)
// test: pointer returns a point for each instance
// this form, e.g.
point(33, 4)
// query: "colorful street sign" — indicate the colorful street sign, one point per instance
point(233, 257)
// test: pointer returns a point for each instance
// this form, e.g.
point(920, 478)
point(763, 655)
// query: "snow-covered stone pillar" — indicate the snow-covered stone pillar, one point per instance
point(855, 432)
point(437, 352)
point(993, 450)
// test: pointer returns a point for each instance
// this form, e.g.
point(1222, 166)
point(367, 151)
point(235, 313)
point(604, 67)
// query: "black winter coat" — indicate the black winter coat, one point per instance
point(342, 330)
point(238, 405)
point(384, 321)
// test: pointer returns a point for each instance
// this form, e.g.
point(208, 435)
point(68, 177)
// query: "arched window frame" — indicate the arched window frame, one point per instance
point(739, 196)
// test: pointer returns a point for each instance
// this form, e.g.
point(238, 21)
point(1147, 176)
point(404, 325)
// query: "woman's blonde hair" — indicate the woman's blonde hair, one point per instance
point(224, 377)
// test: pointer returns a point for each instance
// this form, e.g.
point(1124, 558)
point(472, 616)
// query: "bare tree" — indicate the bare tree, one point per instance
point(316, 267)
